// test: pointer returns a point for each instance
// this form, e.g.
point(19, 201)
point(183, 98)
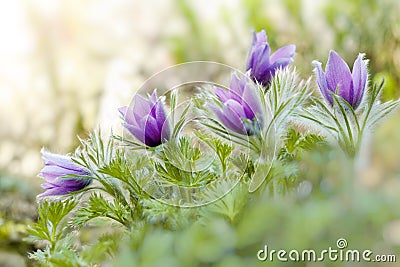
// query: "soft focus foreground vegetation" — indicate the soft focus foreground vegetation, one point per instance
point(315, 216)
point(305, 205)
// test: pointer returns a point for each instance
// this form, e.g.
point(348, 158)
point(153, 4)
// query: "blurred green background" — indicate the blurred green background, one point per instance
point(67, 65)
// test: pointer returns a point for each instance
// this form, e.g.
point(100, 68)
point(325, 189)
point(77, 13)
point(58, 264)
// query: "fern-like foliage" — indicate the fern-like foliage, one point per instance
point(98, 206)
point(132, 171)
point(229, 206)
point(94, 152)
point(181, 164)
point(49, 226)
point(165, 215)
point(295, 143)
point(52, 228)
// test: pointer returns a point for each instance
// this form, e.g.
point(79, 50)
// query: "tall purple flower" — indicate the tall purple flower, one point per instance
point(147, 120)
point(338, 79)
point(261, 64)
point(241, 106)
point(56, 168)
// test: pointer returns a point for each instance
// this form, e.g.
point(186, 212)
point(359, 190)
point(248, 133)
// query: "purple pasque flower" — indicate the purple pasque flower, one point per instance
point(338, 79)
point(147, 120)
point(55, 172)
point(261, 64)
point(241, 106)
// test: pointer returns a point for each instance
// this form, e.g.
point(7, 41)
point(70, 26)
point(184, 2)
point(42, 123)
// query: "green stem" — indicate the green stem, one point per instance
point(348, 180)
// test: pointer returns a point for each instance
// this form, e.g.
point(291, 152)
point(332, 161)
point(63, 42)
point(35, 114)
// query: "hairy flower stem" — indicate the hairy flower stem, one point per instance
point(186, 195)
point(350, 189)
point(349, 180)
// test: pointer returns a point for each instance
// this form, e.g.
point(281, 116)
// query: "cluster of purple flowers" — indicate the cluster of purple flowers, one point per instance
point(241, 103)
point(240, 109)
point(241, 106)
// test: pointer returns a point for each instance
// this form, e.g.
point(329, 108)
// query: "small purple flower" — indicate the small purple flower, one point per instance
point(241, 106)
point(261, 64)
point(147, 120)
point(56, 168)
point(338, 79)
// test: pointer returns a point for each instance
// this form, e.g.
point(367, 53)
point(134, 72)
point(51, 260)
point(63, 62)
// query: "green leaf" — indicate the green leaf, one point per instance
point(228, 197)
point(127, 172)
point(49, 225)
point(167, 216)
point(98, 206)
point(261, 175)
point(222, 150)
point(105, 248)
point(181, 164)
point(94, 152)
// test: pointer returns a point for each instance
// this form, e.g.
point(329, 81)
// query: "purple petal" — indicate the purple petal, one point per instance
point(135, 131)
point(262, 62)
point(160, 114)
point(321, 81)
point(162, 121)
point(141, 106)
point(258, 59)
point(138, 122)
point(55, 191)
point(251, 101)
point(129, 116)
point(222, 94)
point(48, 185)
point(152, 133)
point(64, 186)
point(123, 110)
point(338, 75)
point(148, 120)
point(359, 76)
point(225, 121)
point(225, 95)
point(59, 160)
point(216, 109)
point(61, 164)
point(234, 122)
point(237, 84)
point(283, 52)
point(251, 61)
point(166, 131)
point(281, 63)
point(153, 97)
point(72, 184)
point(51, 171)
point(236, 108)
point(260, 37)
point(58, 166)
